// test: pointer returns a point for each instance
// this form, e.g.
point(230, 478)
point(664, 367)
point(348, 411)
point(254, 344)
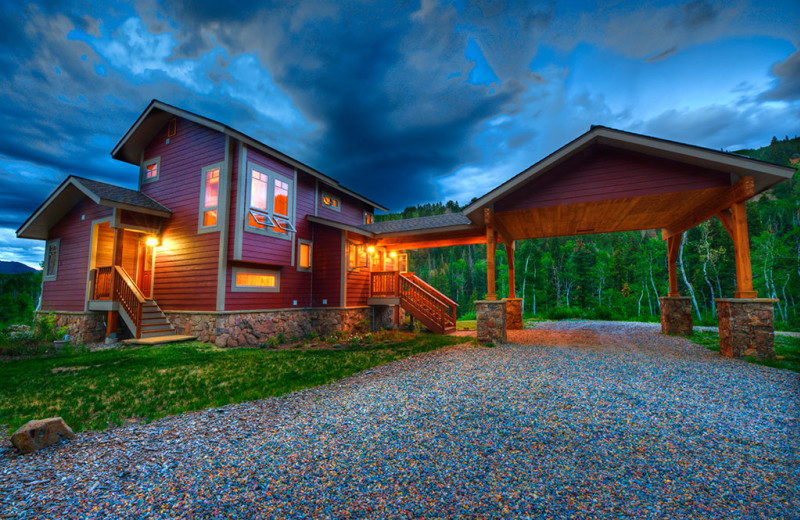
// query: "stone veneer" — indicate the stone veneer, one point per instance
point(491, 316)
point(676, 315)
point(84, 327)
point(513, 313)
point(236, 329)
point(746, 327)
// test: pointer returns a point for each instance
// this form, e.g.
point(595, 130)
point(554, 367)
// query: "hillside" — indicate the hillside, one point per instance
point(15, 268)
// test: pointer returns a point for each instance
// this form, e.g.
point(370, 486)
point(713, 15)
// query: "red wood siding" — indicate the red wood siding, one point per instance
point(68, 291)
point(352, 209)
point(357, 280)
point(609, 174)
point(327, 266)
point(186, 262)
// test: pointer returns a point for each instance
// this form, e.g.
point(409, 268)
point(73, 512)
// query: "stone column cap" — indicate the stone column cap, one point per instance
point(674, 297)
point(497, 302)
point(746, 300)
point(512, 299)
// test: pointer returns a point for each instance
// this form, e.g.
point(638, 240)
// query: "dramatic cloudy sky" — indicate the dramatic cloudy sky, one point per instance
point(406, 102)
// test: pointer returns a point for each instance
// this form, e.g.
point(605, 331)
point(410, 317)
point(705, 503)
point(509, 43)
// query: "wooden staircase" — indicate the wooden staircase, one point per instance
point(143, 316)
point(432, 308)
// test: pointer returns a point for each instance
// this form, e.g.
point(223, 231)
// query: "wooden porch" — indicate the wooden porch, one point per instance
point(406, 290)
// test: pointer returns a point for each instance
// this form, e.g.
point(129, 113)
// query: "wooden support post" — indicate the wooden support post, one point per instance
point(741, 246)
point(673, 248)
point(491, 243)
point(512, 290)
point(111, 324)
point(116, 259)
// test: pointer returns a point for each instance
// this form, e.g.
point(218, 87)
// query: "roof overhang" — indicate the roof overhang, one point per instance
point(340, 225)
point(62, 200)
point(157, 114)
point(765, 175)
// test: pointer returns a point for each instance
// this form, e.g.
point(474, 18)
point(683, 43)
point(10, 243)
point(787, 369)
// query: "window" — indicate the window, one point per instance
point(50, 269)
point(210, 196)
point(150, 170)
point(255, 280)
point(304, 255)
point(331, 202)
point(368, 218)
point(210, 178)
point(356, 255)
point(270, 206)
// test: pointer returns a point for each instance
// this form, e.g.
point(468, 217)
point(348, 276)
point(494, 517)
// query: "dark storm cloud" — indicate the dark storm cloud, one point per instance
point(788, 84)
point(698, 13)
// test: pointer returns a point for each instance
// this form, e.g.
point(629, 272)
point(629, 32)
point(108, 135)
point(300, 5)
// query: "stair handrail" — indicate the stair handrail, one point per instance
point(129, 297)
point(430, 288)
point(429, 304)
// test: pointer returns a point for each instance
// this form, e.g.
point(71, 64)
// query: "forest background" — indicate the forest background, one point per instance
point(606, 276)
point(620, 276)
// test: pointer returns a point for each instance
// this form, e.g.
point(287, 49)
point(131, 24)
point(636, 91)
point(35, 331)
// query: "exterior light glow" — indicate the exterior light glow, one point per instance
point(393, 254)
point(370, 249)
point(152, 241)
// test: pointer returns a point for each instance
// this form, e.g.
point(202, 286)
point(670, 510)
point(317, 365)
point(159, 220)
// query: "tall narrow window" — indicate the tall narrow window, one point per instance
point(368, 218)
point(259, 184)
point(210, 196)
point(51, 260)
point(304, 255)
point(280, 204)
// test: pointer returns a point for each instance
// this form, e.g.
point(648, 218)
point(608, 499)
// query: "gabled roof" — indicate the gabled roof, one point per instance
point(448, 221)
point(72, 190)
point(765, 174)
point(156, 115)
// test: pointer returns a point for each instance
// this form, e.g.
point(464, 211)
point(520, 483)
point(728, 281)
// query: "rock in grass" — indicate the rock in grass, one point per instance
point(41, 433)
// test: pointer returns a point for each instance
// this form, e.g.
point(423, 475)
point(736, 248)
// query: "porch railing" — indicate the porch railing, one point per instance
point(129, 297)
point(431, 307)
point(102, 283)
point(383, 284)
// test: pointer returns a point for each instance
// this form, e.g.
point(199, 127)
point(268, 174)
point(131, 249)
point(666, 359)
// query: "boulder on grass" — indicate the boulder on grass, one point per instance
point(41, 433)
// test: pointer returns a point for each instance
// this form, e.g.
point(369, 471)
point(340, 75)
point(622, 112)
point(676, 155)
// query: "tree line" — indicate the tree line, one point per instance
point(621, 275)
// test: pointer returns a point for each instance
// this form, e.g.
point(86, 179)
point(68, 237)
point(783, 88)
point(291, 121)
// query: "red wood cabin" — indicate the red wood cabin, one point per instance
point(231, 241)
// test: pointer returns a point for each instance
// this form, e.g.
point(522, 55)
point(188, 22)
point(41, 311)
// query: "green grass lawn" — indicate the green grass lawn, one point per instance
point(466, 324)
point(95, 390)
point(786, 348)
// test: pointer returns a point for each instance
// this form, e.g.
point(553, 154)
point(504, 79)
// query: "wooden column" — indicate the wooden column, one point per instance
point(741, 246)
point(111, 323)
point(673, 248)
point(116, 259)
point(510, 247)
point(491, 243)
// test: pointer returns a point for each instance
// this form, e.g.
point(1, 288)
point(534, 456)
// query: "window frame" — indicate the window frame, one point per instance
point(250, 288)
point(46, 276)
point(271, 175)
point(150, 162)
point(202, 208)
point(369, 216)
point(338, 200)
point(302, 242)
point(352, 266)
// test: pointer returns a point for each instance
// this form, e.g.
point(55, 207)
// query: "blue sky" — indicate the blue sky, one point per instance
point(452, 98)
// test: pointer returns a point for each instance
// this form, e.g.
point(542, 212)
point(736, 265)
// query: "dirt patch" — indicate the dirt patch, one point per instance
point(580, 337)
point(67, 369)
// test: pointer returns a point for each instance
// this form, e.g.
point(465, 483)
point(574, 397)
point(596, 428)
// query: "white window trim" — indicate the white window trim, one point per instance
point(220, 193)
point(310, 255)
point(51, 277)
point(271, 176)
point(327, 194)
point(145, 164)
point(239, 288)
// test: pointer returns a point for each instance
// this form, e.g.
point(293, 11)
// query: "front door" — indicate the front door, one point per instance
point(145, 268)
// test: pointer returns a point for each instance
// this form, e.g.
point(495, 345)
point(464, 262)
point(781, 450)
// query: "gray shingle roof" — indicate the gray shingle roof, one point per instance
point(420, 223)
point(121, 195)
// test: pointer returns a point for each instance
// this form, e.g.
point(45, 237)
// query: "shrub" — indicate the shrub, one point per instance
point(564, 313)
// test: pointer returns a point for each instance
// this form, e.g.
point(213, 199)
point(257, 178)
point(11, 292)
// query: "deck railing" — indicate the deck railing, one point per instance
point(102, 283)
point(431, 307)
point(129, 297)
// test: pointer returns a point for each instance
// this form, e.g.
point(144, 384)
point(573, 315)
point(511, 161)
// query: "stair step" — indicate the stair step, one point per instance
point(156, 326)
point(157, 333)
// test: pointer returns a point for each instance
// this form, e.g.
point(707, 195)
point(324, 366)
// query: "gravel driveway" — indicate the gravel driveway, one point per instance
point(585, 421)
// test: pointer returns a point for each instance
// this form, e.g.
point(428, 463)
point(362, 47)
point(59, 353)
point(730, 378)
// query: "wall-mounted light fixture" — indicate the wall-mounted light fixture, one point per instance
point(371, 249)
point(393, 253)
point(152, 241)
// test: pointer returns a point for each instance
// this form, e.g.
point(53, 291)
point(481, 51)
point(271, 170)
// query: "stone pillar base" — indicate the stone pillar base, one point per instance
point(491, 316)
point(676, 315)
point(746, 327)
point(513, 313)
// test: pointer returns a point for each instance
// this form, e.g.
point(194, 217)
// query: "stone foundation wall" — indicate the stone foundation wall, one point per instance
point(84, 327)
point(491, 316)
point(676, 315)
point(746, 328)
point(513, 313)
point(236, 329)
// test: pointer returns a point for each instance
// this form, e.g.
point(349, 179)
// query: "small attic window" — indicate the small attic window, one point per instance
point(331, 202)
point(172, 129)
point(150, 170)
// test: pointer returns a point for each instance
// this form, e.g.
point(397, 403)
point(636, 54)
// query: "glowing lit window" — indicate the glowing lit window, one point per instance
point(304, 255)
point(368, 218)
point(50, 269)
point(270, 206)
point(356, 255)
point(255, 280)
point(331, 202)
point(210, 196)
point(150, 169)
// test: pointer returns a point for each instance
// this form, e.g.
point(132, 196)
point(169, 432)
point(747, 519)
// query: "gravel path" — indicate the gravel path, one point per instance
point(596, 421)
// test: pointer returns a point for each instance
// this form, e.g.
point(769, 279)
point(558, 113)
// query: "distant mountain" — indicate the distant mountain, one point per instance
point(15, 268)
